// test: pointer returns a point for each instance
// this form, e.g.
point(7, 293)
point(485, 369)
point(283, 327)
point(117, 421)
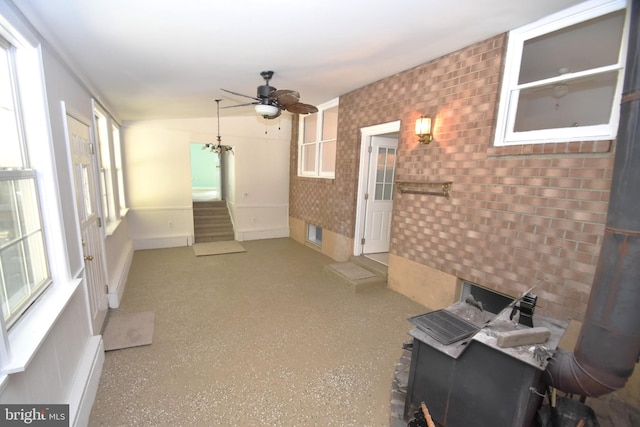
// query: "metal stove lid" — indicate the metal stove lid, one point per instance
point(444, 326)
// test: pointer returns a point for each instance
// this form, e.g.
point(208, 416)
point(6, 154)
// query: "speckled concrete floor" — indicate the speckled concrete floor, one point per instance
point(261, 338)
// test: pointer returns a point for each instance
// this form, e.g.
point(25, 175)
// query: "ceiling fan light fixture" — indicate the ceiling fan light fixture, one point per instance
point(560, 90)
point(266, 109)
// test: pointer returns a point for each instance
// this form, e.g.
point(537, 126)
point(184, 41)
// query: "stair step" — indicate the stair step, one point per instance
point(356, 277)
point(212, 222)
point(210, 212)
point(220, 229)
point(214, 238)
point(371, 265)
point(212, 219)
point(211, 203)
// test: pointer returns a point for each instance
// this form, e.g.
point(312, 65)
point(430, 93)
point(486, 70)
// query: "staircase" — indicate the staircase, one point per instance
point(359, 273)
point(211, 222)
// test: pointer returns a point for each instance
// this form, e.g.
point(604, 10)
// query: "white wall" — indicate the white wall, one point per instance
point(158, 177)
point(66, 366)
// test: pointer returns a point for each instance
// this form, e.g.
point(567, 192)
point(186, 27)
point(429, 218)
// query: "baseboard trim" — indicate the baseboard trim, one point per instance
point(85, 386)
point(115, 294)
point(275, 233)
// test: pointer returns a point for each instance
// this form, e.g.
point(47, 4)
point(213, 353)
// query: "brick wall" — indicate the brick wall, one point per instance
point(516, 215)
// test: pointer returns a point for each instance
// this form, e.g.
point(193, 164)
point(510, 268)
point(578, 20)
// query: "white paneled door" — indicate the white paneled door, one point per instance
point(83, 156)
point(379, 195)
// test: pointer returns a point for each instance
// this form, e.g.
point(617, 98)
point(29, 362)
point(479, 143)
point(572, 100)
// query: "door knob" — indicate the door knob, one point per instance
point(88, 257)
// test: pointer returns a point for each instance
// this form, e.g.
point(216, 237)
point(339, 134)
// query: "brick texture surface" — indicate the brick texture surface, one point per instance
point(517, 215)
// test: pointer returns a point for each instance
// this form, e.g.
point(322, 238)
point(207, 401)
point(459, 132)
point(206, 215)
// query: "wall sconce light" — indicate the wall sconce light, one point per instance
point(423, 130)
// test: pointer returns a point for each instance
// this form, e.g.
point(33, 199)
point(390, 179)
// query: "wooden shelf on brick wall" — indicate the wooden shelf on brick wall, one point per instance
point(434, 188)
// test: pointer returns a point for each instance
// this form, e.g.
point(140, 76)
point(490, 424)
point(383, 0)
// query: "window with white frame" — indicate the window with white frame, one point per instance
point(117, 154)
point(563, 76)
point(318, 141)
point(24, 269)
point(106, 187)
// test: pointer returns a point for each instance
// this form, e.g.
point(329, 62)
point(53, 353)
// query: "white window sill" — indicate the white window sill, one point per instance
point(113, 225)
point(28, 334)
point(317, 176)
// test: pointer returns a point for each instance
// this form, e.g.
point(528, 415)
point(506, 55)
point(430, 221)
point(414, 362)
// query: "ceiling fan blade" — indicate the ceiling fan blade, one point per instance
point(285, 96)
point(239, 105)
point(240, 94)
point(300, 108)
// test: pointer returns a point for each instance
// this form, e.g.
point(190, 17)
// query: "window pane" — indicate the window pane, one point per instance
point(86, 184)
point(15, 277)
point(388, 190)
point(584, 46)
point(379, 191)
point(23, 263)
point(310, 126)
point(24, 272)
point(9, 221)
point(10, 147)
point(27, 205)
point(381, 166)
point(309, 158)
point(329, 156)
point(579, 102)
point(117, 152)
point(385, 172)
point(36, 260)
point(105, 195)
point(330, 123)
point(390, 165)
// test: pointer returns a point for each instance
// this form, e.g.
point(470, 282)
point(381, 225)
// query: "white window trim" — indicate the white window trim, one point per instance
point(115, 194)
point(318, 143)
point(504, 136)
point(19, 345)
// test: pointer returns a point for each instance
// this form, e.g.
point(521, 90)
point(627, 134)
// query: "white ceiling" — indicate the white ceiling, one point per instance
point(169, 58)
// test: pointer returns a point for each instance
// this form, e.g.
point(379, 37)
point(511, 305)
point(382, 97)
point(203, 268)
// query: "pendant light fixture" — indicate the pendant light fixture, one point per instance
point(218, 148)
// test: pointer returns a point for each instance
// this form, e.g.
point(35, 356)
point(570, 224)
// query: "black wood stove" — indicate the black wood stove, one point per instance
point(466, 379)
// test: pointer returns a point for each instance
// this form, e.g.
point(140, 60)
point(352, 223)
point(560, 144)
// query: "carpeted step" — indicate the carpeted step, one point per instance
point(212, 222)
point(355, 276)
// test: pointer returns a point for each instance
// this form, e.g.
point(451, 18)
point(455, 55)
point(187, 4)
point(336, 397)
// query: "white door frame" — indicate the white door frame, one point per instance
point(366, 134)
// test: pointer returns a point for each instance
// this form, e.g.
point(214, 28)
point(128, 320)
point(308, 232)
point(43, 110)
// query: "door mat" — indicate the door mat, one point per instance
point(218, 248)
point(128, 330)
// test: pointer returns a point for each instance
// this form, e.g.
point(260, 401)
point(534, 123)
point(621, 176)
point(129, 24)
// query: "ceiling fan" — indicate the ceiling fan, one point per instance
point(269, 101)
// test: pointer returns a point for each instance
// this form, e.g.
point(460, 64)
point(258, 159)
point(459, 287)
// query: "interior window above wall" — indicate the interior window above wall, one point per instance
point(111, 175)
point(106, 188)
point(117, 157)
point(563, 76)
point(318, 140)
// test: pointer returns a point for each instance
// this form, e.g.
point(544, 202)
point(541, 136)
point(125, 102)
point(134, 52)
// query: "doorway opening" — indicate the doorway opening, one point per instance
point(378, 152)
point(206, 182)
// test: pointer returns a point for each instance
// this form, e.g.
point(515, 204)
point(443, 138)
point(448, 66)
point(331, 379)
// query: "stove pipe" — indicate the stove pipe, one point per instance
point(609, 342)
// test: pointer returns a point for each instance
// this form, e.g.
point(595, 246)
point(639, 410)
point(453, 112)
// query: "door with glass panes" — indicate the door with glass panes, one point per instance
point(83, 156)
point(379, 196)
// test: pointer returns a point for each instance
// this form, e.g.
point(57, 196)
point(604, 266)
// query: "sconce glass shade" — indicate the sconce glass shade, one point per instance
point(423, 130)
point(266, 109)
